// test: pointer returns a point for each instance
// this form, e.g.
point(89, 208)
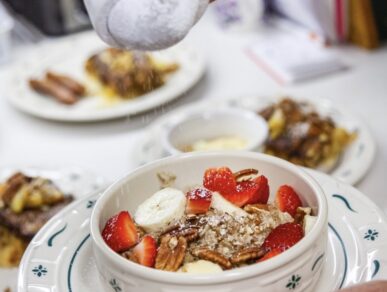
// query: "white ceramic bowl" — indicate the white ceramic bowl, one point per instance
point(296, 265)
point(215, 123)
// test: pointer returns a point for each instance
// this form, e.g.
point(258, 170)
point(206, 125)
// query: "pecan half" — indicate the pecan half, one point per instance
point(213, 256)
point(170, 229)
point(171, 256)
point(245, 174)
point(247, 254)
point(256, 208)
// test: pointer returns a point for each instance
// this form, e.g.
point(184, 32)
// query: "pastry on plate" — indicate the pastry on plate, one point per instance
point(127, 74)
point(26, 204)
point(299, 134)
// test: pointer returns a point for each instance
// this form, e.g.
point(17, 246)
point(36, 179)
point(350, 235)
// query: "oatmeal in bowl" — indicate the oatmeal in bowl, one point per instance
point(214, 220)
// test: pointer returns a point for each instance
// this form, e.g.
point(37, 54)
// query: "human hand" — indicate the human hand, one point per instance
point(376, 286)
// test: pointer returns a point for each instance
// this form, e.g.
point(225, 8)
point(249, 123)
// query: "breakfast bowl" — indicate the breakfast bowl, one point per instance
point(215, 129)
point(295, 268)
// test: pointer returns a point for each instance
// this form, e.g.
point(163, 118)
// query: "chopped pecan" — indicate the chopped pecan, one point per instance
point(213, 256)
point(190, 234)
point(170, 229)
point(171, 256)
point(195, 221)
point(255, 208)
point(300, 214)
point(247, 254)
point(166, 179)
point(245, 174)
point(141, 232)
point(130, 255)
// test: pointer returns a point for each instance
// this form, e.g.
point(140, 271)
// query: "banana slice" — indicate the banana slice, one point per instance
point(221, 204)
point(162, 208)
point(200, 267)
point(309, 222)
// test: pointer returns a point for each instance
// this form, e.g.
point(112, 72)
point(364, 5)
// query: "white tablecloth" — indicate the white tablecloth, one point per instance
point(105, 147)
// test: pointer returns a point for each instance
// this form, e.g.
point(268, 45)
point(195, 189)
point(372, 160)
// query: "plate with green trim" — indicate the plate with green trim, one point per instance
point(60, 257)
point(71, 180)
point(350, 167)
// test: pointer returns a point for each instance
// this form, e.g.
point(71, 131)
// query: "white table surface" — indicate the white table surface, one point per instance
point(105, 147)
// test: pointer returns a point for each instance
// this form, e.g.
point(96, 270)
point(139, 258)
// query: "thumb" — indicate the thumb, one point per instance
point(376, 286)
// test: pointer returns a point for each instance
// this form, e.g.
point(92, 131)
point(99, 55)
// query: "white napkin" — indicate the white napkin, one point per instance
point(290, 58)
point(144, 24)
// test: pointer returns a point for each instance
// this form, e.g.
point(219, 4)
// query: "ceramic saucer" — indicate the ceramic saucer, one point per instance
point(60, 256)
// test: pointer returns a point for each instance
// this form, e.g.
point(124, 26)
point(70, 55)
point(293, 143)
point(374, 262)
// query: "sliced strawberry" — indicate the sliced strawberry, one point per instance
point(120, 233)
point(254, 191)
point(262, 191)
point(287, 200)
point(270, 255)
point(283, 237)
point(198, 201)
point(145, 252)
point(220, 180)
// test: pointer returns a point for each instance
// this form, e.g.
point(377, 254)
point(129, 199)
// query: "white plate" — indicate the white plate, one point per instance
point(71, 180)
point(60, 256)
point(352, 166)
point(67, 56)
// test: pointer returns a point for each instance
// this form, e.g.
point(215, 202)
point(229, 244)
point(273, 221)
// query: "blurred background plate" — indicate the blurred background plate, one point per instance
point(351, 167)
point(67, 56)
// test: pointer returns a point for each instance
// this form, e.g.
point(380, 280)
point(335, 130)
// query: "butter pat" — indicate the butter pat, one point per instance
point(221, 143)
point(200, 267)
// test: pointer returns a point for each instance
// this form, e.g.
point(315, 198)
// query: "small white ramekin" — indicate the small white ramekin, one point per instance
point(215, 123)
point(297, 269)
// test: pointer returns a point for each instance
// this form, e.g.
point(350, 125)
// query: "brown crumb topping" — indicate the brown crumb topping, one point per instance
point(231, 240)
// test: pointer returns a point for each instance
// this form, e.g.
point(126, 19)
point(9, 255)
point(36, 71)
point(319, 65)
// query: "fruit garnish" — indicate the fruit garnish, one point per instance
point(287, 200)
point(255, 191)
point(262, 191)
point(120, 233)
point(220, 180)
point(270, 255)
point(283, 237)
point(145, 252)
point(198, 201)
point(158, 211)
